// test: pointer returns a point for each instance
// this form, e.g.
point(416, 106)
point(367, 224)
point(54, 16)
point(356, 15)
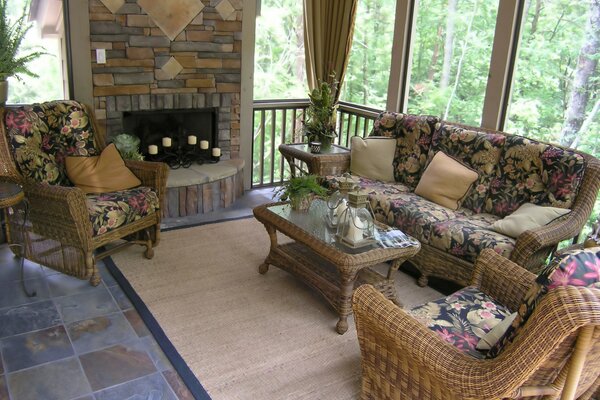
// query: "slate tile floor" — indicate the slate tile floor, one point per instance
point(73, 341)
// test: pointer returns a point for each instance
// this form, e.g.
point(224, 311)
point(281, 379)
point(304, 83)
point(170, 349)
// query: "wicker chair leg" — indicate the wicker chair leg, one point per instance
point(423, 280)
point(90, 262)
point(149, 253)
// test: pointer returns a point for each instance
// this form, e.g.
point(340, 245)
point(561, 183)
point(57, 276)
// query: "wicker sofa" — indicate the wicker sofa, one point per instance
point(512, 170)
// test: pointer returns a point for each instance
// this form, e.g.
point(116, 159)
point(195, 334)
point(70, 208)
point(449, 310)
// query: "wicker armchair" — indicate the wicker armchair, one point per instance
point(66, 229)
point(556, 354)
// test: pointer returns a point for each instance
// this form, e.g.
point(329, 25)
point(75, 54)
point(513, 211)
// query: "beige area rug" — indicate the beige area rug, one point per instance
point(246, 335)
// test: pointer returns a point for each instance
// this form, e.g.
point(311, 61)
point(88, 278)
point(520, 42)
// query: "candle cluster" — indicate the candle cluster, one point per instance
point(192, 140)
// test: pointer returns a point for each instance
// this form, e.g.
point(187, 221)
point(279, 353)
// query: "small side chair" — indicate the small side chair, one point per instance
point(550, 350)
point(66, 229)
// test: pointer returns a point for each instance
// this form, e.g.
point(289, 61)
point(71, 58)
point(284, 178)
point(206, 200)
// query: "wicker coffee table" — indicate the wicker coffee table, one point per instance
point(319, 260)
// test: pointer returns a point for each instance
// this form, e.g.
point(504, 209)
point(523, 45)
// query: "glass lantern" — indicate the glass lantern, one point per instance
point(356, 227)
point(337, 202)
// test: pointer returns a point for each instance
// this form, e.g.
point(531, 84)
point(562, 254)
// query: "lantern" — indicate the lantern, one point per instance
point(356, 227)
point(337, 202)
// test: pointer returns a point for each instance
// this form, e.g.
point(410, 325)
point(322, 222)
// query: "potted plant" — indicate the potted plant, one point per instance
point(300, 191)
point(128, 146)
point(320, 119)
point(11, 37)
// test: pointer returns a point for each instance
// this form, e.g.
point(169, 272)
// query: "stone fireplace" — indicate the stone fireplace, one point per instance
point(188, 58)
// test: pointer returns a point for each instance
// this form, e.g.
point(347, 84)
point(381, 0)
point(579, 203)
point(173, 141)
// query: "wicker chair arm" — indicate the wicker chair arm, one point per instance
point(59, 212)
point(501, 278)
point(152, 174)
point(406, 343)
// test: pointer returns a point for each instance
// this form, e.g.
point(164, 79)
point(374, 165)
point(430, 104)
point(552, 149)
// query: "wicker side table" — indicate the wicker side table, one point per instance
point(333, 161)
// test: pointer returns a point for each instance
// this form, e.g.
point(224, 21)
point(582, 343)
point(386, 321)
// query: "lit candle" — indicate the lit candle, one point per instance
point(192, 139)
point(153, 149)
point(166, 142)
point(204, 144)
point(216, 152)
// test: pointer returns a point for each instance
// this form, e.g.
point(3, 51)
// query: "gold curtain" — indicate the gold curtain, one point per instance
point(328, 29)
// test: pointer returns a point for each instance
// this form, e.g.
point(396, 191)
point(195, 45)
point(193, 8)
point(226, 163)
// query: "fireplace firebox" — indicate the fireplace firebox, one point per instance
point(177, 137)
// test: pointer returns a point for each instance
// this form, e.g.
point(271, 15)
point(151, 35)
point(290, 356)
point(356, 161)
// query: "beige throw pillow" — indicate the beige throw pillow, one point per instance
point(101, 174)
point(489, 339)
point(445, 181)
point(528, 216)
point(373, 157)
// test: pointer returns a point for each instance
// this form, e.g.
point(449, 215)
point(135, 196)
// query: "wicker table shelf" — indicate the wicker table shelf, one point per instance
point(329, 267)
point(332, 161)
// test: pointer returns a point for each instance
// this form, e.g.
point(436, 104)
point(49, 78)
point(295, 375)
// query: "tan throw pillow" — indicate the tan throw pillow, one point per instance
point(446, 181)
point(373, 157)
point(528, 216)
point(101, 174)
point(489, 339)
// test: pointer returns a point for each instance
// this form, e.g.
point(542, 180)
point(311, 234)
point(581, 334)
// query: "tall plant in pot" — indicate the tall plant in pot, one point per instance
point(12, 62)
point(321, 114)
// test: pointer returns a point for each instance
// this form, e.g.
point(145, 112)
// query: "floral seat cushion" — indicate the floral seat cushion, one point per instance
point(462, 318)
point(371, 186)
point(42, 135)
point(109, 211)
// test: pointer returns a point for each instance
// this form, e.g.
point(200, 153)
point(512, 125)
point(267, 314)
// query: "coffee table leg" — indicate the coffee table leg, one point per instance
point(345, 304)
point(264, 267)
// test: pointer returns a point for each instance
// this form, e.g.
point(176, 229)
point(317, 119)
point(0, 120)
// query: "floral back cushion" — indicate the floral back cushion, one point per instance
point(413, 135)
point(478, 150)
point(534, 172)
point(42, 135)
point(574, 268)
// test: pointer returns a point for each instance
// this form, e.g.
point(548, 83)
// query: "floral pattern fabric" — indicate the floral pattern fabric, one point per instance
point(462, 318)
point(42, 135)
point(477, 150)
point(573, 268)
point(371, 186)
point(534, 172)
point(413, 135)
point(109, 211)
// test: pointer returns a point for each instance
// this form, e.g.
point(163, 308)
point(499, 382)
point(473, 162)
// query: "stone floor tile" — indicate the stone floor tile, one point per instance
point(89, 397)
point(96, 333)
point(58, 380)
point(12, 293)
point(10, 270)
point(28, 317)
point(86, 305)
point(34, 348)
point(3, 389)
point(158, 356)
point(107, 278)
point(114, 365)
point(149, 387)
point(136, 322)
point(120, 297)
point(1, 363)
point(180, 389)
point(65, 285)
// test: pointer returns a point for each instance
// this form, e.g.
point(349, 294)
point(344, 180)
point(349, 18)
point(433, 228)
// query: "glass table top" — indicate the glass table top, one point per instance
point(314, 222)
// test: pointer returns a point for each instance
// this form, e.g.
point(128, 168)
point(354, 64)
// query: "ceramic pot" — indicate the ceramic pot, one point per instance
point(3, 92)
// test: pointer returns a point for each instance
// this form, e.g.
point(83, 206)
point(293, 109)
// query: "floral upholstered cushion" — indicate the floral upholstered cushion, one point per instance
point(42, 135)
point(534, 172)
point(413, 134)
point(109, 211)
point(466, 237)
point(573, 268)
point(462, 318)
point(479, 150)
point(371, 186)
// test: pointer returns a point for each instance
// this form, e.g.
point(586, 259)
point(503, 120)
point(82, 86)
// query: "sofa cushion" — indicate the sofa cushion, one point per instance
point(534, 172)
point(109, 211)
point(373, 157)
point(579, 267)
point(42, 135)
point(101, 174)
point(462, 318)
point(413, 134)
point(528, 216)
point(446, 181)
point(371, 186)
point(477, 149)
point(466, 237)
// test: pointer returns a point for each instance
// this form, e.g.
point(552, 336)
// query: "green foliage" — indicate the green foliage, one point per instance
point(319, 123)
point(128, 146)
point(11, 38)
point(300, 187)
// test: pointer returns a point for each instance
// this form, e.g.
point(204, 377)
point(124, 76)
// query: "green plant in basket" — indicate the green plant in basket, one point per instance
point(300, 191)
point(319, 124)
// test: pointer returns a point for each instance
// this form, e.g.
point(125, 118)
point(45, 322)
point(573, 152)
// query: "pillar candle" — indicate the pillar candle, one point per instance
point(153, 149)
point(355, 233)
point(204, 144)
point(166, 142)
point(216, 152)
point(192, 139)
